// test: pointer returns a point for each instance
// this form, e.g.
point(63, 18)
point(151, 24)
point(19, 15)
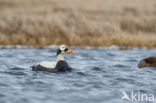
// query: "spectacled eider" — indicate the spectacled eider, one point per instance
point(59, 66)
point(147, 62)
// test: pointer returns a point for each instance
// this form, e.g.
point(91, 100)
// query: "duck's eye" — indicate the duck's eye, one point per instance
point(63, 48)
point(66, 49)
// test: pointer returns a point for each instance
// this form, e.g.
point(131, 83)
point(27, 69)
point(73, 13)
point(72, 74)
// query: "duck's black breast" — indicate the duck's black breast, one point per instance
point(61, 66)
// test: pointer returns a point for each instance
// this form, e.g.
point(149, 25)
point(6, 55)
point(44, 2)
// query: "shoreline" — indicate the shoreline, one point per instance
point(113, 47)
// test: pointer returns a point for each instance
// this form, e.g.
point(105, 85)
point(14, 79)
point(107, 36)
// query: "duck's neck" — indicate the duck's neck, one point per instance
point(59, 57)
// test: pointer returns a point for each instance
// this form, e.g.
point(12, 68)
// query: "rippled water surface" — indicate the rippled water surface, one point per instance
point(98, 76)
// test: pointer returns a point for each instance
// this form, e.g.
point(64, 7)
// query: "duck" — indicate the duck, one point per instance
point(147, 62)
point(60, 65)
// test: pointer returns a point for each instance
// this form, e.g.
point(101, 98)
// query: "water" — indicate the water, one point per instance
point(98, 76)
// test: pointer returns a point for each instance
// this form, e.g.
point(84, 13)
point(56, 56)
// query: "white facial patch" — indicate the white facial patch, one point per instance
point(62, 47)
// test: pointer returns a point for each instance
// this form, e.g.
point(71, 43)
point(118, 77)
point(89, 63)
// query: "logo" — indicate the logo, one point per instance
point(137, 96)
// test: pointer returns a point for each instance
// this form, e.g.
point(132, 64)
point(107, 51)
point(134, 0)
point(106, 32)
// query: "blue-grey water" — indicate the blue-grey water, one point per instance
point(98, 76)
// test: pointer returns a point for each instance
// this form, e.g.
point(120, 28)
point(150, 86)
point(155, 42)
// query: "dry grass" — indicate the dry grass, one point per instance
point(127, 23)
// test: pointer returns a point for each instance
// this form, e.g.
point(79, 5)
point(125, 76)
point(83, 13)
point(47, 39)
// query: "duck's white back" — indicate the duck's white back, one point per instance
point(48, 64)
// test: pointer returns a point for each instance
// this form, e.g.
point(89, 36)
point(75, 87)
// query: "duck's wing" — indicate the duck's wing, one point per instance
point(151, 60)
point(44, 66)
point(61, 66)
point(40, 68)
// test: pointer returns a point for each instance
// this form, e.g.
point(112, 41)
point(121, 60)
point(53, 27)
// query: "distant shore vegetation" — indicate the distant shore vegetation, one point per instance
point(78, 22)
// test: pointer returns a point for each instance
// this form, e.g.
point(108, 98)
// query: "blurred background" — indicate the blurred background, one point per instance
point(129, 23)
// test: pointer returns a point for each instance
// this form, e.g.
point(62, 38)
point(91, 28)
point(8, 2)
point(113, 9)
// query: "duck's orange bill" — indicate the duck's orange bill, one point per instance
point(70, 52)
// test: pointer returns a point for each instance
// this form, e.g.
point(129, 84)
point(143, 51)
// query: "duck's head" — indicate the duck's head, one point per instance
point(63, 49)
point(143, 64)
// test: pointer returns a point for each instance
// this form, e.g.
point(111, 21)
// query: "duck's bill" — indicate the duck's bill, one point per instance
point(70, 52)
